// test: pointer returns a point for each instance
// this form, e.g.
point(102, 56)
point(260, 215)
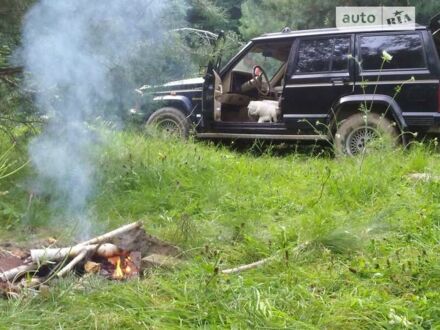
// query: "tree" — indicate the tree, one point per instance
point(259, 16)
point(16, 104)
point(11, 14)
point(233, 10)
point(214, 15)
point(206, 15)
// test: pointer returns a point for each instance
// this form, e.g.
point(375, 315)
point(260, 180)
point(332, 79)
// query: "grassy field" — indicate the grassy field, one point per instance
point(372, 258)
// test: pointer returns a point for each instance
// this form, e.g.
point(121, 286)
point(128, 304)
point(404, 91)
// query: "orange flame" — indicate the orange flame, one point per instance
point(118, 273)
point(124, 267)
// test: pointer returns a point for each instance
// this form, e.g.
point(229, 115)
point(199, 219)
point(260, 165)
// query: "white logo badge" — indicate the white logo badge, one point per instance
point(385, 17)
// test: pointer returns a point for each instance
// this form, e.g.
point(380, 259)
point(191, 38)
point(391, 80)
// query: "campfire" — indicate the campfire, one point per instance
point(117, 267)
point(121, 254)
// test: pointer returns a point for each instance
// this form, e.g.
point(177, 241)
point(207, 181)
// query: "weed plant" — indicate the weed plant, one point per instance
point(372, 259)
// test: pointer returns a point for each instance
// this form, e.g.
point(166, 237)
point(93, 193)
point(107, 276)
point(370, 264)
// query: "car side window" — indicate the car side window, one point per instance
point(270, 56)
point(341, 54)
point(314, 56)
point(323, 55)
point(406, 50)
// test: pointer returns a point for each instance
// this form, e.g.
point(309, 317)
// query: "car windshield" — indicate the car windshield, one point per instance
point(270, 56)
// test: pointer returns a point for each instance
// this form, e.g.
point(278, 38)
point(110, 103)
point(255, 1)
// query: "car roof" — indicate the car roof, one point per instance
point(329, 31)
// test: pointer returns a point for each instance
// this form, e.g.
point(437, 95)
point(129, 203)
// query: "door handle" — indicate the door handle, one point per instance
point(339, 81)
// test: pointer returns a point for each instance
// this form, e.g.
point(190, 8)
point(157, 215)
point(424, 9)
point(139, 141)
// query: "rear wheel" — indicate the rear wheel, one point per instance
point(361, 133)
point(170, 121)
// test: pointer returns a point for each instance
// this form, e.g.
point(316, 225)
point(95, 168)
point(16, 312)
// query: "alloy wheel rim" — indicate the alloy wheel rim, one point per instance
point(169, 127)
point(358, 140)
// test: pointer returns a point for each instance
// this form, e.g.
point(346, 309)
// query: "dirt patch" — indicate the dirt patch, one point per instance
point(9, 261)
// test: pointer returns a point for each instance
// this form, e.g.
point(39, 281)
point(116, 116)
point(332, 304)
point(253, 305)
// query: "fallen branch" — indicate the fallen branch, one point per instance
point(17, 271)
point(43, 255)
point(424, 177)
point(248, 266)
point(72, 263)
point(112, 234)
point(261, 262)
point(203, 33)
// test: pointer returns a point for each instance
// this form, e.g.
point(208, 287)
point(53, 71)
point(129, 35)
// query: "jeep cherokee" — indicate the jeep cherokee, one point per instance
point(328, 84)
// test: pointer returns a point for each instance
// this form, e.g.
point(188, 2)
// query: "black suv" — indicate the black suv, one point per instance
point(345, 86)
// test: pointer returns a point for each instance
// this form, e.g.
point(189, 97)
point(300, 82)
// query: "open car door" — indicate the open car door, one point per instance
point(434, 25)
point(218, 92)
point(212, 92)
point(212, 87)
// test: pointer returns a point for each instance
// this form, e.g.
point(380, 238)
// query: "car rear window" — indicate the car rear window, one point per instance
point(406, 50)
point(323, 55)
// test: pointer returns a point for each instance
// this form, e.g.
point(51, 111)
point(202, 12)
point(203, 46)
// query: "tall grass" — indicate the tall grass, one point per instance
point(373, 260)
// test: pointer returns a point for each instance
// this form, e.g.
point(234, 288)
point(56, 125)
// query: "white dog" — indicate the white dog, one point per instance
point(266, 110)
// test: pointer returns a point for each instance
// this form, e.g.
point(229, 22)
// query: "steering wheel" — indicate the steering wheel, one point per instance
point(261, 77)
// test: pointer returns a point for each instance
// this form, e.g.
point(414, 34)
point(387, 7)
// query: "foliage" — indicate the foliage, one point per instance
point(373, 261)
point(16, 108)
point(206, 15)
point(272, 15)
point(214, 15)
point(373, 264)
point(11, 14)
point(6, 166)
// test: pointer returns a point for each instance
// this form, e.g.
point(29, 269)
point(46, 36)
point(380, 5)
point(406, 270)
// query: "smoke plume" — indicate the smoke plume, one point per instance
point(72, 50)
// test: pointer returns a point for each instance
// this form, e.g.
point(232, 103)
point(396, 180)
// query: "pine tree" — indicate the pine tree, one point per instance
point(259, 16)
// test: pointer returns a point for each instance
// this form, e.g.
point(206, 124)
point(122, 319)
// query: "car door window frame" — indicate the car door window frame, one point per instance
point(328, 73)
point(364, 72)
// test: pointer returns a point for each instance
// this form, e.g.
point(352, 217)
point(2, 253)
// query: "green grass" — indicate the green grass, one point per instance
point(372, 262)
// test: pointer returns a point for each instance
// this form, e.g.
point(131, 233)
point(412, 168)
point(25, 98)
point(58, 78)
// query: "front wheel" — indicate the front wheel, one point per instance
point(362, 132)
point(170, 121)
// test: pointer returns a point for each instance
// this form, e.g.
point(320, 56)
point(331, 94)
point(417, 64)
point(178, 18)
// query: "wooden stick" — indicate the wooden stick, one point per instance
point(17, 271)
point(95, 244)
point(248, 266)
point(38, 255)
point(55, 254)
point(424, 177)
point(106, 237)
point(44, 255)
point(261, 262)
point(72, 263)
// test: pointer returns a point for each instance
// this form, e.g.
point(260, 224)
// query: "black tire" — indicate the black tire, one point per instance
point(170, 121)
point(359, 131)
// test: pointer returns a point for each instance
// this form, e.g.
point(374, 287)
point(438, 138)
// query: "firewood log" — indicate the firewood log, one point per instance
point(16, 272)
point(112, 234)
point(43, 255)
point(73, 263)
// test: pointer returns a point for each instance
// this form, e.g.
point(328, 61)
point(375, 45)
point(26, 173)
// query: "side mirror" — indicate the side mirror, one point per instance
point(221, 35)
point(202, 70)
